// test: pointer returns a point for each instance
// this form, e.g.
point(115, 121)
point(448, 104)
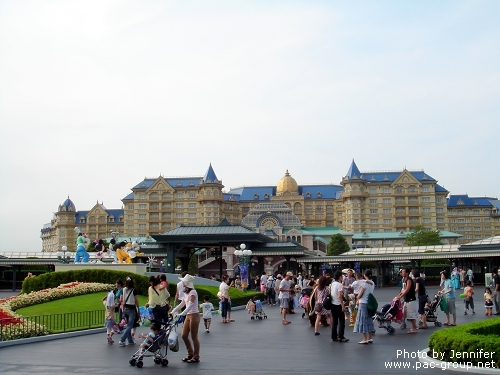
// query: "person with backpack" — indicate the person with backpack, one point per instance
point(270, 292)
point(468, 299)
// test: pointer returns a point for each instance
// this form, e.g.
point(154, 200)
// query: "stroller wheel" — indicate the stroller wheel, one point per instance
point(164, 362)
point(265, 316)
point(132, 362)
point(157, 361)
point(391, 330)
point(403, 325)
point(139, 364)
point(438, 324)
point(251, 318)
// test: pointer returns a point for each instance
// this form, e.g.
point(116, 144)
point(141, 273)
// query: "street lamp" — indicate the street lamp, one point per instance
point(61, 256)
point(243, 256)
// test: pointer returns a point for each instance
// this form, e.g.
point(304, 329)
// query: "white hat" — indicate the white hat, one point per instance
point(188, 281)
point(289, 273)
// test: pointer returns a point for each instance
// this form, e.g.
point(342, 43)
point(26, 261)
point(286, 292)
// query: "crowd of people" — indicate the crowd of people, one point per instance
point(330, 302)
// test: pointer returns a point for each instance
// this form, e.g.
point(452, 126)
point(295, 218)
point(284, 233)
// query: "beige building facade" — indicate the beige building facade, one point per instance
point(368, 202)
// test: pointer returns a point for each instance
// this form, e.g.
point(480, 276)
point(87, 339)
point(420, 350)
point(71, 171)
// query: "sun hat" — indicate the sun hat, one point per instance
point(279, 276)
point(289, 273)
point(187, 281)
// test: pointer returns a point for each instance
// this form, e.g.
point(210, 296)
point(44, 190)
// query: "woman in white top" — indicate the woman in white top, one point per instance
point(192, 322)
point(364, 322)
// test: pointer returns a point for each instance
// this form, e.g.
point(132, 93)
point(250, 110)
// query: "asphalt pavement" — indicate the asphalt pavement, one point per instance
point(244, 346)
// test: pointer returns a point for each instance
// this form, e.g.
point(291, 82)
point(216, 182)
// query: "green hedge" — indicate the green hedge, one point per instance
point(468, 338)
point(54, 279)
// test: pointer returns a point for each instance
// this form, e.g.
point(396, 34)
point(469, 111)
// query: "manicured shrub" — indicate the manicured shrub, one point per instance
point(472, 339)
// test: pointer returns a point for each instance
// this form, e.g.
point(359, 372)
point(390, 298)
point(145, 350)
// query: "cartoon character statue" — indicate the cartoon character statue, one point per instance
point(100, 250)
point(112, 250)
point(81, 255)
point(121, 252)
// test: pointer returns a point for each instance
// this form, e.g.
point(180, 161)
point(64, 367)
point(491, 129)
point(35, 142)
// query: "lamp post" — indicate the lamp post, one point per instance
point(243, 256)
point(61, 256)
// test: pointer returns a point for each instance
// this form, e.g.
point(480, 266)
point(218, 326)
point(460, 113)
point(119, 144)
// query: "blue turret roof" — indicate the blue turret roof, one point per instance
point(210, 176)
point(67, 206)
point(353, 171)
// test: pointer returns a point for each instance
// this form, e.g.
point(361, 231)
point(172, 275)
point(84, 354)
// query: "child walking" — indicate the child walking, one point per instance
point(109, 315)
point(469, 300)
point(149, 338)
point(207, 307)
point(488, 303)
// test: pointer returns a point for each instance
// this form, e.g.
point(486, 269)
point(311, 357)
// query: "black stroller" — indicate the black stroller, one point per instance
point(390, 313)
point(430, 310)
point(166, 339)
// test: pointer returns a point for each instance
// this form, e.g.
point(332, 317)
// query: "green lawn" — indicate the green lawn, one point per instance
point(70, 314)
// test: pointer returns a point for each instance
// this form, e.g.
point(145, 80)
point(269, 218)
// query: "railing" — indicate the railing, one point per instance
point(41, 325)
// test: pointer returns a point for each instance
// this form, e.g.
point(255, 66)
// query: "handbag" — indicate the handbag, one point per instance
point(372, 305)
point(328, 302)
point(443, 304)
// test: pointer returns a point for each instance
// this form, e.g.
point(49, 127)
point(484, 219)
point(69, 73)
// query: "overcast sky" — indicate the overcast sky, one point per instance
point(96, 95)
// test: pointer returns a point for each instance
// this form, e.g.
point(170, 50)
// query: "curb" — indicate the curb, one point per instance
point(55, 336)
point(453, 366)
point(58, 336)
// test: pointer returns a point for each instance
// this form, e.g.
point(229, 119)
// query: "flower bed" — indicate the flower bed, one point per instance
point(14, 326)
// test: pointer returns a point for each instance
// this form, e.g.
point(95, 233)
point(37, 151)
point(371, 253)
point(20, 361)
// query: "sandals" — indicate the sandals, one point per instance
point(187, 359)
point(411, 331)
point(193, 360)
point(363, 342)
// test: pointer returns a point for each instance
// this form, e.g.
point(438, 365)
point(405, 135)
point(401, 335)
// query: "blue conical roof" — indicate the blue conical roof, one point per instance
point(210, 176)
point(67, 206)
point(353, 171)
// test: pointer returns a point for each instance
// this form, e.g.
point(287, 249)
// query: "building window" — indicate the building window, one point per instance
point(427, 220)
point(399, 190)
point(154, 206)
point(167, 196)
point(192, 216)
point(142, 226)
point(192, 205)
point(439, 200)
point(166, 206)
point(426, 210)
point(373, 221)
point(192, 195)
point(387, 201)
point(165, 216)
point(179, 216)
point(154, 196)
point(130, 206)
point(426, 199)
point(373, 201)
point(425, 189)
point(386, 191)
point(142, 216)
point(142, 207)
point(130, 227)
point(373, 211)
point(387, 221)
point(373, 191)
point(179, 205)
point(439, 210)
point(440, 220)
point(179, 195)
point(477, 229)
point(476, 212)
point(412, 190)
point(387, 211)
point(142, 196)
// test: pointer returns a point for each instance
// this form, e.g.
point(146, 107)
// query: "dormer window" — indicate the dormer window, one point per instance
point(266, 196)
point(256, 196)
point(308, 195)
point(318, 194)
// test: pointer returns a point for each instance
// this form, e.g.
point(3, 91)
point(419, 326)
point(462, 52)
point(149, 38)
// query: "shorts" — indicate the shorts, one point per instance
point(450, 306)
point(421, 304)
point(285, 303)
point(208, 320)
point(411, 310)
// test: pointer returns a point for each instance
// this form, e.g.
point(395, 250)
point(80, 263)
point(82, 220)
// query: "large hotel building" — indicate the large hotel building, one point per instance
point(374, 206)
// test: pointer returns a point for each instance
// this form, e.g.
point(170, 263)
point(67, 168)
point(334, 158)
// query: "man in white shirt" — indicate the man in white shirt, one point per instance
point(337, 291)
point(285, 288)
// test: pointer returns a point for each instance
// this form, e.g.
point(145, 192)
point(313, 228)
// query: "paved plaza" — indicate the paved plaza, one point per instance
point(245, 346)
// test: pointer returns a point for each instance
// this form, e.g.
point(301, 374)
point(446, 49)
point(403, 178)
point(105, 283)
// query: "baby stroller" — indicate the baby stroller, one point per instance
point(258, 312)
point(304, 300)
point(390, 313)
point(311, 314)
point(166, 339)
point(430, 310)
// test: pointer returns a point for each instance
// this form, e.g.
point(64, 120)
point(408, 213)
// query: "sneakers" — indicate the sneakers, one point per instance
point(122, 343)
point(207, 330)
point(473, 313)
point(110, 340)
point(465, 313)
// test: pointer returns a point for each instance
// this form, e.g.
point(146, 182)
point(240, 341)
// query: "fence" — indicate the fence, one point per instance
point(41, 325)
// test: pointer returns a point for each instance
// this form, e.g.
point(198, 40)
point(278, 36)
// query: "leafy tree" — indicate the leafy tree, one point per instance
point(337, 245)
point(419, 236)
